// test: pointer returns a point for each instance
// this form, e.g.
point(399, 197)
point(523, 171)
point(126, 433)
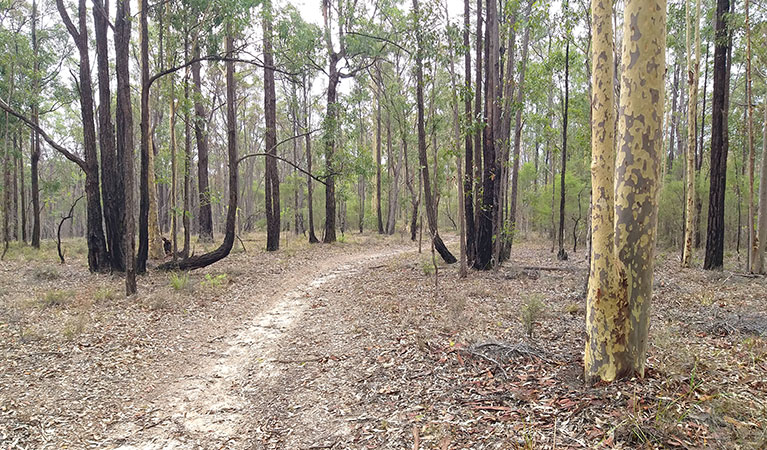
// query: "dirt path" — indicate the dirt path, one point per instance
point(205, 407)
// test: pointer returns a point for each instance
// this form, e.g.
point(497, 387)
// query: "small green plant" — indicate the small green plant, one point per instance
point(54, 298)
point(531, 312)
point(214, 281)
point(104, 293)
point(341, 239)
point(179, 281)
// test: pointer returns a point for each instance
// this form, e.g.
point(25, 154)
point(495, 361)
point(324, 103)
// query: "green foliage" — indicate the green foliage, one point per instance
point(531, 312)
point(179, 281)
point(214, 281)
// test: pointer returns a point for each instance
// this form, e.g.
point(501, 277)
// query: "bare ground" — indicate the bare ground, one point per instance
point(351, 346)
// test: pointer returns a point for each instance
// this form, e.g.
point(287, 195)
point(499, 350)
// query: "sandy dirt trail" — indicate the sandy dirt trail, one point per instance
point(204, 408)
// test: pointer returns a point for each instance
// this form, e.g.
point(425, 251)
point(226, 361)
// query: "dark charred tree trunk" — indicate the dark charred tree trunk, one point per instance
point(206, 259)
point(309, 186)
point(124, 122)
point(379, 215)
point(431, 211)
point(112, 189)
point(490, 202)
point(714, 257)
point(206, 213)
point(143, 216)
point(271, 182)
point(331, 117)
point(35, 150)
point(468, 182)
point(471, 241)
point(187, 158)
point(98, 258)
point(562, 254)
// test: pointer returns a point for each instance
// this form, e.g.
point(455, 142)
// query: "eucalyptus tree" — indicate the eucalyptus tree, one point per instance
point(358, 52)
point(98, 257)
point(714, 257)
point(271, 182)
point(624, 225)
point(693, 69)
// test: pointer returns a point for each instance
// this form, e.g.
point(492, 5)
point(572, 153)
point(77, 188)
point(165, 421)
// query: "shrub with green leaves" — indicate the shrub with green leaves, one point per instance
point(531, 312)
point(179, 281)
point(214, 281)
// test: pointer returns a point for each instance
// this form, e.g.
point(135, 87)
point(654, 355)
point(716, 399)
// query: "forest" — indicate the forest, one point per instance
point(421, 224)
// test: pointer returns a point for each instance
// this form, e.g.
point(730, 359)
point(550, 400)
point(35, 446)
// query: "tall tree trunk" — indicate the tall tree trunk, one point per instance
point(22, 193)
point(309, 187)
point(761, 239)
point(35, 150)
point(478, 149)
point(379, 215)
point(124, 130)
point(468, 182)
point(111, 186)
point(173, 171)
point(714, 258)
point(491, 133)
point(187, 156)
point(201, 135)
point(621, 276)
point(143, 217)
point(98, 259)
point(271, 182)
point(562, 254)
point(693, 69)
point(331, 117)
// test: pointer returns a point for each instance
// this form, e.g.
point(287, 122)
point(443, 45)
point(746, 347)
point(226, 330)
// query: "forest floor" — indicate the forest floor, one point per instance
point(351, 345)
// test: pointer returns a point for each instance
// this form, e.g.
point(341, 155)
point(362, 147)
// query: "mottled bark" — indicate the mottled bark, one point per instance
point(693, 73)
point(624, 226)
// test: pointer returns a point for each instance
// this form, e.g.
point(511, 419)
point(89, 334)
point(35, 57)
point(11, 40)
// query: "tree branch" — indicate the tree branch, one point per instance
point(291, 163)
point(67, 154)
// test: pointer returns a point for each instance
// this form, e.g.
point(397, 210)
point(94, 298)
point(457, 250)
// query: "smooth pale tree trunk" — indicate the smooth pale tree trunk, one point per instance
point(271, 181)
point(620, 287)
point(714, 258)
point(693, 73)
point(379, 214)
point(124, 132)
point(186, 218)
point(761, 239)
point(173, 171)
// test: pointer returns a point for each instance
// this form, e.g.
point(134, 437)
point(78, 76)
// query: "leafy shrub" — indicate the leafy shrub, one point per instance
point(532, 310)
point(179, 281)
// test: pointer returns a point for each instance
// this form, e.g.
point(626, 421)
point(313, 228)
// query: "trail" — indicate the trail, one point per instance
point(204, 408)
